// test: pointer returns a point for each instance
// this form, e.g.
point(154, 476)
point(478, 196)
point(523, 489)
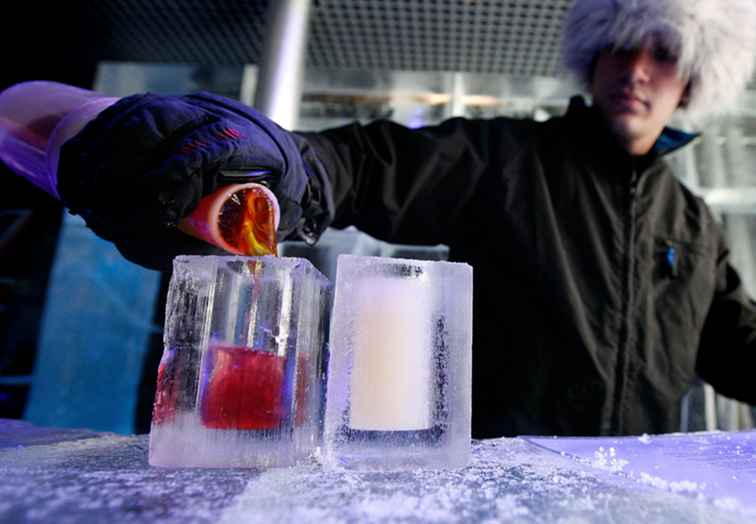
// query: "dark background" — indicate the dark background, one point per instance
point(40, 41)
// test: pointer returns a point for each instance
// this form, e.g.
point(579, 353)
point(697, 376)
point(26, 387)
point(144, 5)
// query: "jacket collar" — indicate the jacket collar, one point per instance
point(671, 140)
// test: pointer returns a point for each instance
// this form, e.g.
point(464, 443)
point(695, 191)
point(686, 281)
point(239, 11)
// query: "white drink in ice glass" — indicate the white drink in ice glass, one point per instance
point(399, 381)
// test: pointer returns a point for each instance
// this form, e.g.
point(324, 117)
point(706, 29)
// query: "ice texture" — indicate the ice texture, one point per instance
point(240, 381)
point(714, 465)
point(14, 431)
point(105, 479)
point(399, 374)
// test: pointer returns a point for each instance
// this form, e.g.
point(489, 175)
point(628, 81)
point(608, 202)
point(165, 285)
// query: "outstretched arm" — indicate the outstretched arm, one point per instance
point(400, 184)
point(727, 354)
point(145, 162)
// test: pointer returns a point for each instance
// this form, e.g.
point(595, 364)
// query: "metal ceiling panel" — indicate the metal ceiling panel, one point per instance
point(516, 37)
point(218, 32)
point(512, 37)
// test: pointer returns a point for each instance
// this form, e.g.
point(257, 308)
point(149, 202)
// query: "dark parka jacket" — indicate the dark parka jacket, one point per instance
point(602, 286)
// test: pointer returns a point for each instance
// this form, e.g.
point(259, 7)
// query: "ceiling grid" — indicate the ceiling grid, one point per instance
point(513, 37)
point(516, 37)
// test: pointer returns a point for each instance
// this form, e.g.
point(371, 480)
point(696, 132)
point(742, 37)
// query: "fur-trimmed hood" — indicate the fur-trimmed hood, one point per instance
point(715, 41)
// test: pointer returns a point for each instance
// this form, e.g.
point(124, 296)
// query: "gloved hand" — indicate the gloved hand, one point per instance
point(145, 162)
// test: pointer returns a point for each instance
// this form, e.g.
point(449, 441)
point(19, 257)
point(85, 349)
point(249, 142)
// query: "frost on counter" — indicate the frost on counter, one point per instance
point(239, 383)
point(86, 477)
point(399, 377)
point(717, 466)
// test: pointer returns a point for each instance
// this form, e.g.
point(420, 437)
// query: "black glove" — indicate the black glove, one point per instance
point(146, 161)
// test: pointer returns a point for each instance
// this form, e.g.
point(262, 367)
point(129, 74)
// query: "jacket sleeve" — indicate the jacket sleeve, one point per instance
point(727, 353)
point(400, 184)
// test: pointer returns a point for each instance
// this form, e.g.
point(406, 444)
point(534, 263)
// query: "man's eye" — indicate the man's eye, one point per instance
point(663, 54)
point(623, 51)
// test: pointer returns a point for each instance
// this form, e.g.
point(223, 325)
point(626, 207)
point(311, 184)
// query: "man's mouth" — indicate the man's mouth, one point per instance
point(627, 100)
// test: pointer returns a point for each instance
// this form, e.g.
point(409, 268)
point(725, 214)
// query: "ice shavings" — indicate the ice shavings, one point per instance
point(728, 503)
point(607, 460)
point(711, 466)
point(507, 481)
point(107, 479)
point(509, 507)
point(681, 486)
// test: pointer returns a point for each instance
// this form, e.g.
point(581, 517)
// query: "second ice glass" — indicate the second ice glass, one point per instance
point(399, 376)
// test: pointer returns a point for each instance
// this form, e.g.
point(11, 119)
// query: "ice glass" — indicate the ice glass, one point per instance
point(399, 374)
point(240, 381)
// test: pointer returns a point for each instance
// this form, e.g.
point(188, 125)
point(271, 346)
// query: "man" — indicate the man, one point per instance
point(602, 285)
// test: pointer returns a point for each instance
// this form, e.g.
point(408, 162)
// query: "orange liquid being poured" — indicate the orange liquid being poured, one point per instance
point(247, 223)
point(245, 387)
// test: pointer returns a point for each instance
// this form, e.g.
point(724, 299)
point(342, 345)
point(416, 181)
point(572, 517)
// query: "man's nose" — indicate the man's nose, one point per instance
point(637, 65)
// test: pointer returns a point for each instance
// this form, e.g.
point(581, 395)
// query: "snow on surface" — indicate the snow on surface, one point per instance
point(509, 480)
point(719, 467)
point(607, 459)
point(106, 478)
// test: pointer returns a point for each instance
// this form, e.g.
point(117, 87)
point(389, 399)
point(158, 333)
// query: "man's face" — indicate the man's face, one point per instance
point(637, 90)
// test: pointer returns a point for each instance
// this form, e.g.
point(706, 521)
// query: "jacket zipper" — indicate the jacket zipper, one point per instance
point(620, 383)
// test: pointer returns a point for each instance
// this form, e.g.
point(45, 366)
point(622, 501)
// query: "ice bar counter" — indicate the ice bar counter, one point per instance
point(75, 476)
point(239, 383)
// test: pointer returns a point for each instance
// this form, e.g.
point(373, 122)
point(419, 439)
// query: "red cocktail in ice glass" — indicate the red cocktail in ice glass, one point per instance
point(243, 389)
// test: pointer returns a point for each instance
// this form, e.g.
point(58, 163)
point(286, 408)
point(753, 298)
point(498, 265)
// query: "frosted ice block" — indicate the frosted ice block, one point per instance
point(239, 383)
point(399, 374)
